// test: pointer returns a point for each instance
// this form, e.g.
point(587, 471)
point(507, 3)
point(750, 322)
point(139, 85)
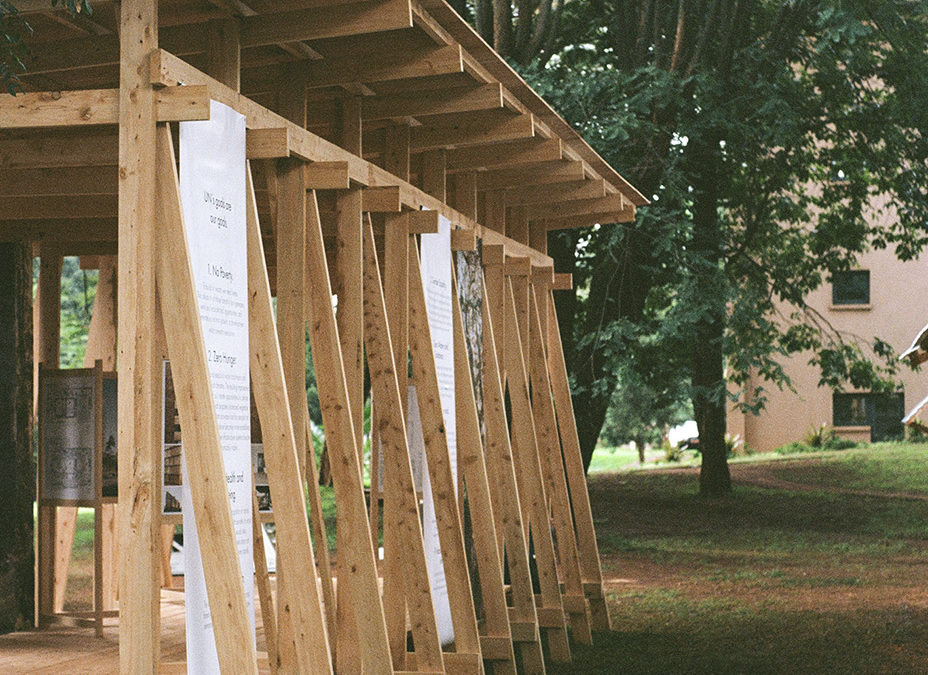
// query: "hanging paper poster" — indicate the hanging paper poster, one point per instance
point(212, 185)
point(436, 280)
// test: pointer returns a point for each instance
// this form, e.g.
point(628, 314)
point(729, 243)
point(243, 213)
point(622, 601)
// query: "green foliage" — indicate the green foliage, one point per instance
point(13, 31)
point(78, 291)
point(766, 136)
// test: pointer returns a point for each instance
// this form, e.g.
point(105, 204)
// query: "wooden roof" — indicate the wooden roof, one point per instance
point(414, 63)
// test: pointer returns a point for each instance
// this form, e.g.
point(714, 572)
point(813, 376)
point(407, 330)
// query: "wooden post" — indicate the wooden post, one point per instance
point(139, 440)
point(532, 489)
point(523, 617)
point(549, 451)
point(576, 477)
point(49, 341)
point(350, 317)
point(356, 554)
point(451, 535)
point(496, 641)
point(401, 488)
point(301, 605)
point(206, 480)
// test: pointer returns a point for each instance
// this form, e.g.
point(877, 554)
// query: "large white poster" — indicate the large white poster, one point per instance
point(436, 279)
point(212, 185)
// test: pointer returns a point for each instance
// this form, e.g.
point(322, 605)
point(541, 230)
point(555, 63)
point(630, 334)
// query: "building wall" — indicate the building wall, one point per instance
point(897, 311)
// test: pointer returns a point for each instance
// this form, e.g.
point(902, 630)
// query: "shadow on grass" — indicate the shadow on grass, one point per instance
point(704, 637)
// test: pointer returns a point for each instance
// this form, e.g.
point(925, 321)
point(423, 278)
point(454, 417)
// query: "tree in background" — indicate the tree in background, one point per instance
point(763, 132)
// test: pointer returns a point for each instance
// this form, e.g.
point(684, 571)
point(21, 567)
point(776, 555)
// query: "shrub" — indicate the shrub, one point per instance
point(794, 448)
point(671, 453)
point(820, 436)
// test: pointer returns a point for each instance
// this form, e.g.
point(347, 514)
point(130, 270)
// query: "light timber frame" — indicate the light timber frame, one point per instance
point(389, 113)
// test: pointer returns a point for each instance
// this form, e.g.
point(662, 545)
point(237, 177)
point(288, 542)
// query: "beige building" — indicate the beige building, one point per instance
point(883, 297)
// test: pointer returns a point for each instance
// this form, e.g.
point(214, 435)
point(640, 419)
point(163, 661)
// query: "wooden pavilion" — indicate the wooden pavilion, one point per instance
point(369, 123)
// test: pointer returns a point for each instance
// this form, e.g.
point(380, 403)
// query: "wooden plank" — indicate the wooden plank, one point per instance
point(549, 451)
point(474, 470)
point(94, 107)
point(58, 208)
point(504, 490)
point(224, 52)
point(348, 285)
point(531, 485)
point(392, 426)
point(510, 154)
point(559, 192)
point(434, 102)
point(360, 568)
point(262, 581)
point(90, 148)
point(267, 143)
point(180, 312)
point(563, 281)
point(602, 218)
point(326, 176)
point(545, 174)
point(432, 174)
point(385, 65)
point(579, 207)
point(471, 130)
point(421, 222)
point(450, 533)
point(59, 181)
point(576, 477)
point(384, 199)
point(396, 290)
point(465, 193)
point(282, 452)
point(463, 240)
point(326, 22)
point(139, 365)
point(166, 69)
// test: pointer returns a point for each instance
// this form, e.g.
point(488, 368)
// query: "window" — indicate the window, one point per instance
point(883, 413)
point(851, 287)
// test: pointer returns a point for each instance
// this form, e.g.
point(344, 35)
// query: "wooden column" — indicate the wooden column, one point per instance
point(432, 174)
point(139, 367)
point(465, 193)
point(523, 618)
point(576, 477)
point(348, 286)
point(49, 344)
point(395, 281)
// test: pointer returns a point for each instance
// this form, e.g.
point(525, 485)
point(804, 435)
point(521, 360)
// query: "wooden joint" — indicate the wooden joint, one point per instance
point(271, 143)
point(384, 199)
point(543, 275)
point(563, 281)
point(523, 631)
point(326, 176)
point(550, 617)
point(496, 647)
point(518, 266)
point(493, 254)
point(574, 604)
point(183, 104)
point(422, 222)
point(462, 662)
point(463, 240)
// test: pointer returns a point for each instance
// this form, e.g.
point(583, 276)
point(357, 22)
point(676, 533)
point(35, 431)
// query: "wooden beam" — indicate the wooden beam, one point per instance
point(392, 424)
point(510, 154)
point(357, 551)
point(223, 51)
point(614, 203)
point(545, 174)
point(602, 218)
point(267, 143)
point(471, 130)
point(576, 476)
point(58, 207)
point(209, 495)
point(326, 22)
point(55, 181)
point(62, 233)
point(139, 531)
point(382, 66)
point(326, 176)
point(60, 150)
point(281, 448)
point(384, 199)
point(557, 192)
point(434, 102)
point(563, 281)
point(94, 107)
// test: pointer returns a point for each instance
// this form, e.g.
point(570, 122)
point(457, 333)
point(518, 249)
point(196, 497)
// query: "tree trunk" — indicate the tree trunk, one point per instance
point(17, 560)
point(707, 359)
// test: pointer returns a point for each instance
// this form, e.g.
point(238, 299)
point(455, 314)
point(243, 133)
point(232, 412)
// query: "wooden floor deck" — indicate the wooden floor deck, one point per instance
point(63, 650)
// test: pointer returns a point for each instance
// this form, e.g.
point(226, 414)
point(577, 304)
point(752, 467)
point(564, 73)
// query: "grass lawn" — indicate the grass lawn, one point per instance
point(817, 563)
point(810, 579)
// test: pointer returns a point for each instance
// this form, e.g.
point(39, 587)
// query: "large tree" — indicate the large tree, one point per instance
point(765, 134)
